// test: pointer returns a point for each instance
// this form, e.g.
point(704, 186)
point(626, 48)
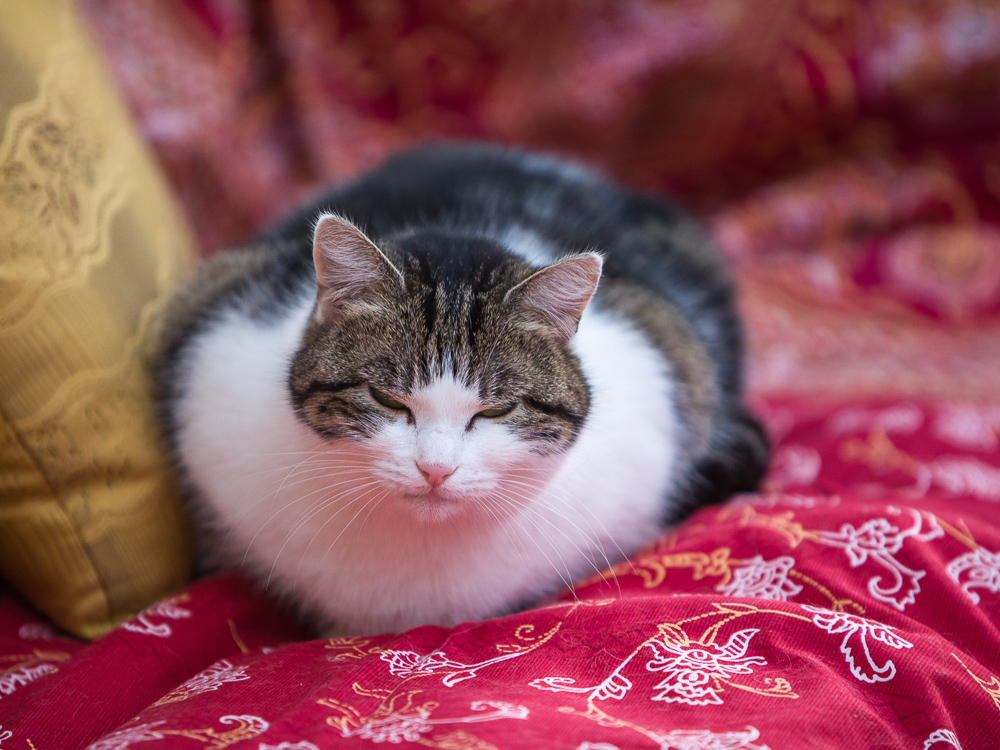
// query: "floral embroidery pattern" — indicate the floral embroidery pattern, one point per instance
point(27, 668)
point(983, 569)
point(167, 608)
point(942, 735)
point(693, 739)
point(207, 681)
point(123, 738)
point(412, 664)
point(879, 540)
point(247, 726)
point(857, 631)
point(410, 722)
point(764, 580)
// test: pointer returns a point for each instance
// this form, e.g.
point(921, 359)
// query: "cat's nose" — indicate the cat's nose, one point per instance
point(435, 474)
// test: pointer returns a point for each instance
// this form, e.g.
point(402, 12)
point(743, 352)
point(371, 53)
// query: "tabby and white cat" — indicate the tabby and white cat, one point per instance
point(414, 403)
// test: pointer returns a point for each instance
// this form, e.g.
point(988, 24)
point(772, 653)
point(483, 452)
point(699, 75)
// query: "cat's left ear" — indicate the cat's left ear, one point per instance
point(558, 294)
point(350, 268)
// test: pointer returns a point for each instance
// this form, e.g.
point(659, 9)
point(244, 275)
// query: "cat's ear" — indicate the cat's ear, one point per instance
point(349, 267)
point(557, 295)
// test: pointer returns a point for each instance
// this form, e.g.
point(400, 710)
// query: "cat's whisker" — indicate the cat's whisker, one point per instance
point(324, 503)
point(491, 506)
point(578, 509)
point(568, 578)
point(528, 507)
point(348, 524)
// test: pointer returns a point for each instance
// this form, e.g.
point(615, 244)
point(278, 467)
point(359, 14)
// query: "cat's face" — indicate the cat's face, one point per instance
point(446, 362)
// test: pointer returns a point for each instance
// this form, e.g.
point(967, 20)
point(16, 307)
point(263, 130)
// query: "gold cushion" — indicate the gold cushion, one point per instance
point(91, 528)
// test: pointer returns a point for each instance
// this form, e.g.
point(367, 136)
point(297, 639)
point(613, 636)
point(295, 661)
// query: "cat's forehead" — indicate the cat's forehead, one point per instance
point(446, 398)
point(454, 262)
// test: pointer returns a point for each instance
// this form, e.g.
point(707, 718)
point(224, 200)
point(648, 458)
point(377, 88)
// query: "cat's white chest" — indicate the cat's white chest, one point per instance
point(304, 516)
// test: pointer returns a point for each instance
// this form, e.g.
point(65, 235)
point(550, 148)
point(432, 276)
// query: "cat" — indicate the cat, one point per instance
point(454, 385)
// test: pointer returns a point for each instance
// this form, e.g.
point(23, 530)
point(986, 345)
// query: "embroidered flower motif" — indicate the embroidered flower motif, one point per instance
point(145, 626)
point(693, 669)
point(967, 476)
point(857, 631)
point(942, 735)
point(123, 738)
point(983, 568)
point(703, 739)
point(399, 727)
point(879, 541)
point(15, 678)
point(207, 681)
point(764, 580)
point(969, 426)
point(412, 664)
point(794, 465)
point(37, 631)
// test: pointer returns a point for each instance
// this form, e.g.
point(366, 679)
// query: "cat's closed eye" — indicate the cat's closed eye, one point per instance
point(386, 400)
point(497, 412)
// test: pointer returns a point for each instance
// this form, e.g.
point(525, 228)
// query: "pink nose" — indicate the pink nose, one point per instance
point(435, 474)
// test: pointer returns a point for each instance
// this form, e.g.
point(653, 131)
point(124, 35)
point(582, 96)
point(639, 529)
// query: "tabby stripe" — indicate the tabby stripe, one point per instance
point(553, 410)
point(319, 386)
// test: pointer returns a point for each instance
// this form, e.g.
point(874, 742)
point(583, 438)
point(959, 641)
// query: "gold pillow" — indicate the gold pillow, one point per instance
point(91, 528)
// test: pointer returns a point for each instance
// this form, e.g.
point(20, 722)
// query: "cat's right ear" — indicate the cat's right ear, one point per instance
point(350, 268)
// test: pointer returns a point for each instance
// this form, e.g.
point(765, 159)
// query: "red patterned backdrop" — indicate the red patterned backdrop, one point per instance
point(847, 158)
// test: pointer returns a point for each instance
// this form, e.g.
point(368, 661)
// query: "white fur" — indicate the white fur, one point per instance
point(356, 534)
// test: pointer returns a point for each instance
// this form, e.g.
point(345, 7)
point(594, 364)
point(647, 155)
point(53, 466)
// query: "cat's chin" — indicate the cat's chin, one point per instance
point(438, 507)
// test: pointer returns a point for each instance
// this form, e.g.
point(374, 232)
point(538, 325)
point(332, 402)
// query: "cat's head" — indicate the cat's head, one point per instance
point(445, 360)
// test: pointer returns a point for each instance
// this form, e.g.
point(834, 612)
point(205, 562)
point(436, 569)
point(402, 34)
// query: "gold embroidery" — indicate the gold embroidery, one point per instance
point(991, 686)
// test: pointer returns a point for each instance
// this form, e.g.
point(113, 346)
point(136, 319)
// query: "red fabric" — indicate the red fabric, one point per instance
point(874, 550)
point(845, 155)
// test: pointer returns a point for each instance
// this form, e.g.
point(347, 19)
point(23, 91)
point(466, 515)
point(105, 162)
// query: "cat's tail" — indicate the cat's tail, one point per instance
point(736, 462)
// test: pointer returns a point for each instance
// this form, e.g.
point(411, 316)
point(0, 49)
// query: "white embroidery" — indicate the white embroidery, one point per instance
point(967, 476)
point(121, 739)
point(412, 664)
point(409, 727)
point(143, 625)
point(300, 745)
point(791, 500)
point(983, 568)
point(5, 734)
point(902, 419)
point(37, 631)
point(11, 681)
point(764, 580)
point(691, 668)
point(794, 465)
point(702, 739)
point(879, 541)
point(942, 735)
point(859, 629)
point(969, 426)
point(207, 681)
point(597, 746)
point(251, 723)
